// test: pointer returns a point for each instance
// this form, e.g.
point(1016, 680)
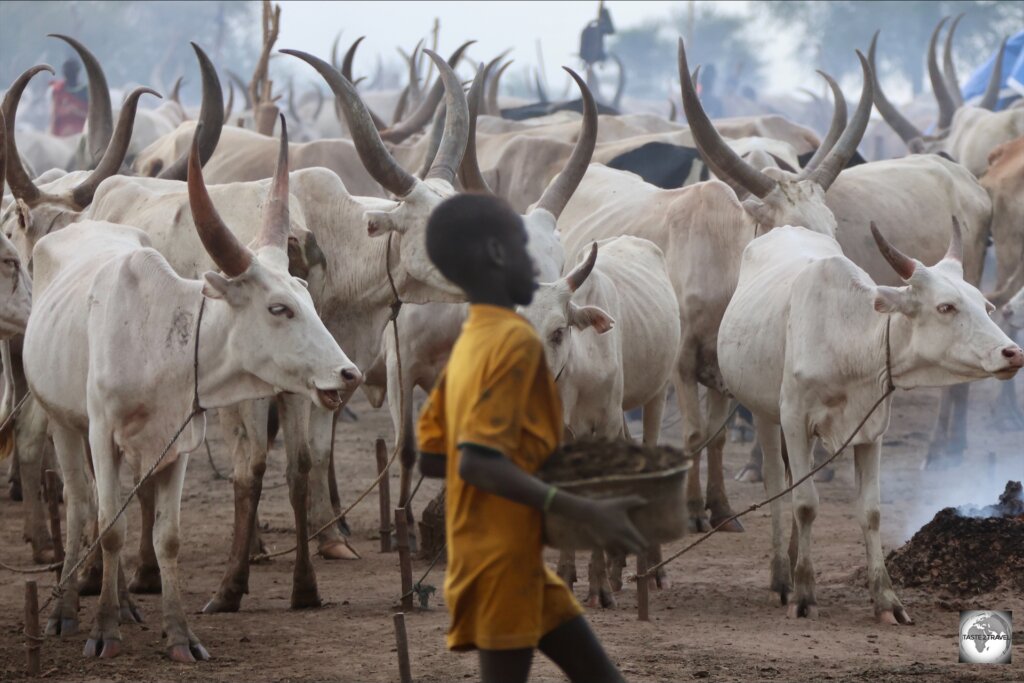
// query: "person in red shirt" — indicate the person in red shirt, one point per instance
point(70, 102)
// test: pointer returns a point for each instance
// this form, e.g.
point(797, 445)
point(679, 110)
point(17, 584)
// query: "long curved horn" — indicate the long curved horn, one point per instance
point(176, 90)
point(114, 155)
point(846, 147)
point(242, 87)
point(907, 131)
point(378, 162)
point(350, 55)
point(18, 178)
point(401, 130)
point(469, 172)
point(942, 96)
point(334, 50)
point(231, 101)
point(948, 68)
point(900, 262)
point(434, 143)
point(414, 76)
point(835, 129)
point(956, 243)
point(276, 221)
point(220, 243)
point(100, 119)
point(211, 116)
point(558, 193)
point(400, 106)
point(710, 143)
point(456, 125)
point(580, 273)
point(620, 89)
point(991, 96)
point(492, 90)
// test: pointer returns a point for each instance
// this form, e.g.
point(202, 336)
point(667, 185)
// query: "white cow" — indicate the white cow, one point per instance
point(809, 343)
point(110, 301)
point(611, 338)
point(16, 301)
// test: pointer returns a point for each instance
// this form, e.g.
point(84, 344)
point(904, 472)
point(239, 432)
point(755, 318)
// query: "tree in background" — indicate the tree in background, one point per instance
point(831, 31)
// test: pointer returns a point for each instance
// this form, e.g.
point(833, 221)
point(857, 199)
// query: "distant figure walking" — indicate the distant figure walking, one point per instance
point(592, 38)
point(70, 102)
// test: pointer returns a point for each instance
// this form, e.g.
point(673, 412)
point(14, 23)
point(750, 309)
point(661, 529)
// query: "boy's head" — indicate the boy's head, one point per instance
point(479, 243)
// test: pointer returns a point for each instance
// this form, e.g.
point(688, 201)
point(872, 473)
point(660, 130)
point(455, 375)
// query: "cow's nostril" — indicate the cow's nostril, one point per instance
point(1012, 352)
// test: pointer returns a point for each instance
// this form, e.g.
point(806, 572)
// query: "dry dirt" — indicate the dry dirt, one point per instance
point(717, 621)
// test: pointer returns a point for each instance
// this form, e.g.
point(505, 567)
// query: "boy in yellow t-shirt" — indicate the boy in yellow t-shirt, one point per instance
point(489, 424)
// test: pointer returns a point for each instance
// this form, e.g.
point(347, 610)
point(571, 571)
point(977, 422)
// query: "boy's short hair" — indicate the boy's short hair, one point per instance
point(458, 229)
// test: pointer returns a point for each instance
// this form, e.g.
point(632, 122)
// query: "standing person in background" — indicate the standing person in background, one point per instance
point(70, 102)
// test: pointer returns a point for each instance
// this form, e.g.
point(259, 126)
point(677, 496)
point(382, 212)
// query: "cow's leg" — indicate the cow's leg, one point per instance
point(600, 591)
point(400, 405)
point(888, 608)
point(78, 509)
point(751, 471)
point(298, 424)
point(693, 431)
point(616, 563)
point(805, 510)
point(331, 543)
point(146, 578)
point(14, 481)
point(129, 611)
point(567, 567)
point(935, 459)
point(770, 441)
point(31, 443)
point(182, 644)
point(717, 500)
point(660, 579)
point(105, 638)
point(245, 429)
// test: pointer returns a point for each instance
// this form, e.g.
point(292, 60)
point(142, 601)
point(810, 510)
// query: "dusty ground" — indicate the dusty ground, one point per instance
point(717, 622)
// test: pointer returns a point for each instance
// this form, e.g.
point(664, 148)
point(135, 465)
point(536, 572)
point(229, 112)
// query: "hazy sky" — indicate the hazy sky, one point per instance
point(494, 25)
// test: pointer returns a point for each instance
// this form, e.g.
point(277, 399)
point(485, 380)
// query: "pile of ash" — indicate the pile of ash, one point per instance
point(968, 550)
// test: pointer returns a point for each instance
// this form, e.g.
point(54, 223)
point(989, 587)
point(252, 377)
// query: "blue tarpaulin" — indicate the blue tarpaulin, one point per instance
point(1012, 79)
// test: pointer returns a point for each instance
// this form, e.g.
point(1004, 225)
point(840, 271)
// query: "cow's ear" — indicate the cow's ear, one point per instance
point(582, 317)
point(893, 300)
point(379, 223)
point(216, 286)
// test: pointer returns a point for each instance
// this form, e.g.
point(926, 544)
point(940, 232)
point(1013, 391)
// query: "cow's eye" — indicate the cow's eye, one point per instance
point(12, 262)
point(946, 308)
point(556, 337)
point(281, 309)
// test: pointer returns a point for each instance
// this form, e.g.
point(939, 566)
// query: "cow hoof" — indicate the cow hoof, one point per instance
point(145, 581)
point(894, 617)
point(305, 597)
point(181, 654)
point(338, 550)
point(750, 474)
point(219, 604)
point(732, 526)
point(104, 648)
point(660, 581)
point(130, 614)
point(56, 626)
point(802, 610)
point(698, 524)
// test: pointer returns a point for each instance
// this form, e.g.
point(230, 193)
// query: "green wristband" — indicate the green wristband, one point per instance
point(550, 497)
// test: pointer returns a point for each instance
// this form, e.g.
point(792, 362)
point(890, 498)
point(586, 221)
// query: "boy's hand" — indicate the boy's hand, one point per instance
point(609, 523)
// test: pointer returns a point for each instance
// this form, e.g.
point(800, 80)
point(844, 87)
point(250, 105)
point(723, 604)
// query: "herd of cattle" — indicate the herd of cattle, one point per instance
point(187, 262)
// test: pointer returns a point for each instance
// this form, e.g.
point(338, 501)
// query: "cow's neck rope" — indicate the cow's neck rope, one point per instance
point(197, 409)
point(889, 388)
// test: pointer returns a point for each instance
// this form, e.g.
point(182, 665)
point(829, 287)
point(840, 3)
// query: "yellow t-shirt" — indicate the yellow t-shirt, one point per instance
point(496, 392)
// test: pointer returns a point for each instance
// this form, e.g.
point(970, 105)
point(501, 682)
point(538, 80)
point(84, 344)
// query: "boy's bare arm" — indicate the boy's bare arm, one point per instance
point(607, 520)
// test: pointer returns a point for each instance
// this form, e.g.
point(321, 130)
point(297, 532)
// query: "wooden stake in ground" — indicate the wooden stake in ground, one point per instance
point(261, 87)
point(402, 643)
point(404, 559)
point(384, 491)
point(51, 487)
point(32, 639)
point(642, 589)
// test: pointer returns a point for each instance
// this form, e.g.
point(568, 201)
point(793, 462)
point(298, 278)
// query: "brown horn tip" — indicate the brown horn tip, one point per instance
point(456, 126)
point(18, 178)
point(211, 115)
point(991, 96)
point(276, 218)
point(580, 273)
point(100, 116)
point(558, 194)
point(942, 96)
point(902, 126)
point(846, 146)
point(350, 56)
point(220, 243)
point(900, 262)
point(469, 172)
